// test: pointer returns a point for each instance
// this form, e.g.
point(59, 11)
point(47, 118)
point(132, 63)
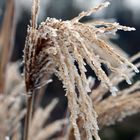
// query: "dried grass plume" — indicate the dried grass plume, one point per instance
point(55, 45)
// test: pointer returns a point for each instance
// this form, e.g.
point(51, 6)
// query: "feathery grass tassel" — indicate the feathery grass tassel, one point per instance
point(56, 45)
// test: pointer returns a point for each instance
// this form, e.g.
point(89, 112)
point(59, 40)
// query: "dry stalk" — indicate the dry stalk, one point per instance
point(28, 82)
point(6, 42)
point(30, 101)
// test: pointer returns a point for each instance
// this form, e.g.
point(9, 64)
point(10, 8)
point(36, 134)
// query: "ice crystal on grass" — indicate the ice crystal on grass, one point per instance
point(56, 45)
point(111, 109)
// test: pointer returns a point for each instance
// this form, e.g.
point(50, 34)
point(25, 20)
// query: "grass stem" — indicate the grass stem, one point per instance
point(30, 102)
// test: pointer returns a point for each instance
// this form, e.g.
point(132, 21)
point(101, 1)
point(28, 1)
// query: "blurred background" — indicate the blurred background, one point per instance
point(126, 12)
